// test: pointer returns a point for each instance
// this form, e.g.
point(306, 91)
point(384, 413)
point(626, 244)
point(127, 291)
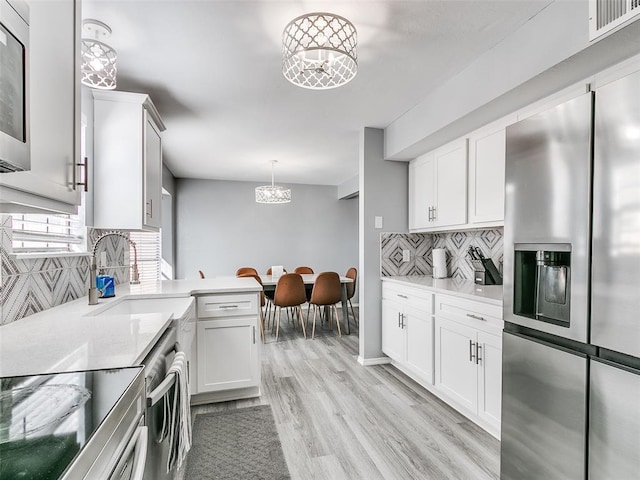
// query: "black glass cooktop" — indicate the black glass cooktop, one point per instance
point(45, 420)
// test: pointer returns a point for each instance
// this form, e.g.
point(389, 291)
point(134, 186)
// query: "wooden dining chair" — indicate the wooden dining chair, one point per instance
point(303, 270)
point(307, 288)
point(290, 293)
point(270, 295)
point(262, 300)
point(327, 291)
point(243, 270)
point(352, 273)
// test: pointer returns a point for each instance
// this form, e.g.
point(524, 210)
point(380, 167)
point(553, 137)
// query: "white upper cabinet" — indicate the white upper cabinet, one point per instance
point(127, 161)
point(422, 192)
point(54, 29)
point(438, 188)
point(487, 157)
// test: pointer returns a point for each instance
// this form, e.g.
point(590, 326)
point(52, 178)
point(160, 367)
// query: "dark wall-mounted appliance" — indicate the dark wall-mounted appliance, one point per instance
point(14, 86)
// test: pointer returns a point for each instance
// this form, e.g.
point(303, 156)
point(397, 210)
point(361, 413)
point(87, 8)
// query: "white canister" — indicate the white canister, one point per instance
point(439, 262)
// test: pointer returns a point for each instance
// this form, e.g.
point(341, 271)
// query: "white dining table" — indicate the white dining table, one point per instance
point(269, 283)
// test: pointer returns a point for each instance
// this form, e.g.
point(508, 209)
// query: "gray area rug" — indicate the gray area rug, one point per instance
point(236, 444)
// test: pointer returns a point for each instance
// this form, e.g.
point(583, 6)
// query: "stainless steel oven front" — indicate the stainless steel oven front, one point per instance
point(14, 86)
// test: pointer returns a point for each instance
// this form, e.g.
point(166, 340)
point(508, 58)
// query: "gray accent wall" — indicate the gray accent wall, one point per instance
point(383, 192)
point(220, 228)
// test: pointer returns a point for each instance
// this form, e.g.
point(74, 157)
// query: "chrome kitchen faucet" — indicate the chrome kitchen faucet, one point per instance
point(93, 271)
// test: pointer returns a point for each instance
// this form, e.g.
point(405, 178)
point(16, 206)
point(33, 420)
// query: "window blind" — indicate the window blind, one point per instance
point(47, 233)
point(148, 246)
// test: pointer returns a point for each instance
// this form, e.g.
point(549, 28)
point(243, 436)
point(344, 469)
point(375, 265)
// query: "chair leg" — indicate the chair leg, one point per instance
point(313, 332)
point(268, 312)
point(335, 310)
point(300, 319)
point(262, 325)
point(354, 313)
point(278, 323)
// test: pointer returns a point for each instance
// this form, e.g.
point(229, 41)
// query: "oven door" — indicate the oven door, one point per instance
point(132, 462)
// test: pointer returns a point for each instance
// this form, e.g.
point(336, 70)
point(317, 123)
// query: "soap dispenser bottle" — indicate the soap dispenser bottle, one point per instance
point(105, 285)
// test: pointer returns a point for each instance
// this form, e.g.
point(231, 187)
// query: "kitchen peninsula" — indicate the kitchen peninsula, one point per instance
point(77, 336)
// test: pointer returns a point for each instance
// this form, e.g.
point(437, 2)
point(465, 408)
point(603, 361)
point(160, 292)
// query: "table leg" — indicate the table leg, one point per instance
point(345, 310)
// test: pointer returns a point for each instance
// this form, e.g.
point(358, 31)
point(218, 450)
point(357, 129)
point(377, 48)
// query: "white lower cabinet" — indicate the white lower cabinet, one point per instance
point(407, 329)
point(392, 332)
point(468, 358)
point(451, 345)
point(456, 369)
point(227, 347)
point(490, 379)
point(227, 354)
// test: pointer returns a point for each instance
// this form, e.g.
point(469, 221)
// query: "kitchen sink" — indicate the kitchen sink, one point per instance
point(135, 306)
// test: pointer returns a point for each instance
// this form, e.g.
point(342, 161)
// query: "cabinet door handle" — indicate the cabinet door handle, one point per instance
point(435, 214)
point(150, 211)
point(472, 352)
point(402, 317)
point(429, 219)
point(401, 296)
point(398, 319)
point(84, 183)
point(476, 317)
point(254, 335)
point(478, 352)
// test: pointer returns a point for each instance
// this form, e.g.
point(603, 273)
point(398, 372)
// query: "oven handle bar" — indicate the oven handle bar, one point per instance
point(168, 382)
point(140, 458)
point(155, 396)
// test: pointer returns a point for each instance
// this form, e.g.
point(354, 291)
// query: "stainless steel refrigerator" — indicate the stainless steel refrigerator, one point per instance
point(571, 346)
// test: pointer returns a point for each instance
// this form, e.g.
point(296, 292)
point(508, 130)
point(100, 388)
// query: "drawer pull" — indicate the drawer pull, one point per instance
point(402, 296)
point(228, 306)
point(477, 317)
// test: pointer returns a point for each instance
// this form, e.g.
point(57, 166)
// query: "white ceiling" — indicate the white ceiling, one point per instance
point(212, 69)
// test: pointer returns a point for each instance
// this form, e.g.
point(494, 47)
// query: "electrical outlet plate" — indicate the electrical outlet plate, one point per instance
point(406, 255)
point(103, 259)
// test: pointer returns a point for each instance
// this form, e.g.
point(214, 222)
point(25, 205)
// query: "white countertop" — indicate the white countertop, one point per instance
point(64, 338)
point(453, 286)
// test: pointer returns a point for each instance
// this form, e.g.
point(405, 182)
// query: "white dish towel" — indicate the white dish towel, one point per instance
point(180, 423)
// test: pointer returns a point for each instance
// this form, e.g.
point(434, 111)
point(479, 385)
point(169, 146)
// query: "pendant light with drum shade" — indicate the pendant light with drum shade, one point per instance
point(319, 51)
point(98, 59)
point(273, 193)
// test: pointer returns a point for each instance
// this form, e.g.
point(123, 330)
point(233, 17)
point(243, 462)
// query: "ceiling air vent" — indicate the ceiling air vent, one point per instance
point(605, 16)
point(6, 167)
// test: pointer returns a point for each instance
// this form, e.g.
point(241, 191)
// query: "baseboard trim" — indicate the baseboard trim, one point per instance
point(224, 395)
point(367, 362)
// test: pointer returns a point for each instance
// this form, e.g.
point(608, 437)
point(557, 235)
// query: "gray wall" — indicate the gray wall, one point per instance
point(220, 227)
point(383, 192)
point(168, 217)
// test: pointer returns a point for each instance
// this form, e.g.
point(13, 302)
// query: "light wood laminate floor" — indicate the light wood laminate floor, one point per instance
point(339, 420)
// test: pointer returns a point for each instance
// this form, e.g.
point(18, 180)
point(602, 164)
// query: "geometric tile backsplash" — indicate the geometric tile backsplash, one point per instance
point(457, 244)
point(420, 246)
point(28, 286)
point(391, 247)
